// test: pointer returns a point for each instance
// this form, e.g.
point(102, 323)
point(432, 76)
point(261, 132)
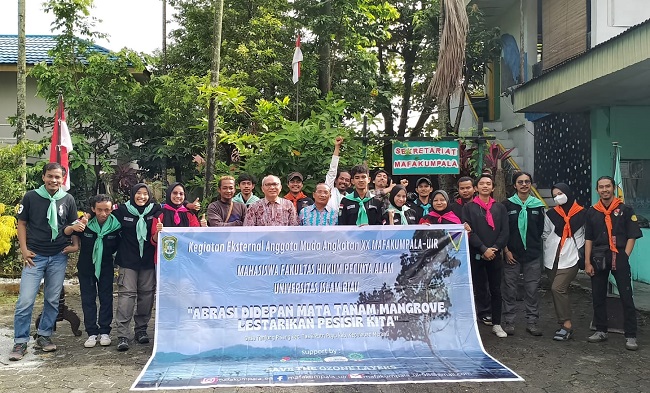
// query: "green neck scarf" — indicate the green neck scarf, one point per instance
point(51, 211)
point(522, 220)
point(111, 224)
point(401, 213)
point(141, 225)
point(362, 217)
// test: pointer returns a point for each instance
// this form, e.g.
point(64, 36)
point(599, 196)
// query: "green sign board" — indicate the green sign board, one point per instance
point(426, 158)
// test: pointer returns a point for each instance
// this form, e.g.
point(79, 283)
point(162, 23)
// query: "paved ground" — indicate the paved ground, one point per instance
point(546, 365)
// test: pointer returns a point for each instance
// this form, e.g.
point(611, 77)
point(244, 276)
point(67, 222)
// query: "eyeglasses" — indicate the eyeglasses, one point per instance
point(522, 182)
point(272, 185)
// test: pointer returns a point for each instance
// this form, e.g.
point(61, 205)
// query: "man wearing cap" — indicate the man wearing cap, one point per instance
point(337, 180)
point(295, 195)
point(320, 213)
point(271, 210)
point(422, 204)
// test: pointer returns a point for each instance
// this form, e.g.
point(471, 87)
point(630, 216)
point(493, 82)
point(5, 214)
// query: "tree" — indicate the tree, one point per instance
point(211, 146)
point(21, 107)
point(421, 279)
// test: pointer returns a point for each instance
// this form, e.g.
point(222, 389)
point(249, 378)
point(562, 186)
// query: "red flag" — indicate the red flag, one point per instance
point(297, 59)
point(61, 143)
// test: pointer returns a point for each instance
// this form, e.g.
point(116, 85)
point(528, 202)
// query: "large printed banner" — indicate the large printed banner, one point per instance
point(315, 305)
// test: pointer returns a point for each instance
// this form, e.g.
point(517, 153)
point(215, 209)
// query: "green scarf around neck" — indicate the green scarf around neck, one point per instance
point(362, 217)
point(110, 225)
point(400, 212)
point(51, 211)
point(141, 225)
point(522, 220)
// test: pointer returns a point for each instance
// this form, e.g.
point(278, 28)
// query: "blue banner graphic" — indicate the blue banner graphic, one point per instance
point(315, 305)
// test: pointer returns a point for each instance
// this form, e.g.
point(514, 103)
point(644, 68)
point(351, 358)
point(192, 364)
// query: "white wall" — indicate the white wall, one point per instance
point(610, 18)
point(8, 89)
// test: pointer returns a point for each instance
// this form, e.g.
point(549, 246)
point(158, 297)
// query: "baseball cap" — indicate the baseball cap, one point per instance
point(423, 179)
point(295, 174)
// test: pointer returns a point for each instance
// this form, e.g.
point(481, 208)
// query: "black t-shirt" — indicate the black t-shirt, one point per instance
point(624, 226)
point(33, 210)
point(410, 214)
point(87, 238)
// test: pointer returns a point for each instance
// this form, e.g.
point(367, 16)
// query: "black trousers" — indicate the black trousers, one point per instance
point(91, 288)
point(492, 270)
point(623, 277)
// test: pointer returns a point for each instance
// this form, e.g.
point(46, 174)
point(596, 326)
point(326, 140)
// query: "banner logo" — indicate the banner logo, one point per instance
point(169, 247)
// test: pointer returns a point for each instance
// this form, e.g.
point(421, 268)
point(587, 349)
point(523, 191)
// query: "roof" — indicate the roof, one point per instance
point(37, 48)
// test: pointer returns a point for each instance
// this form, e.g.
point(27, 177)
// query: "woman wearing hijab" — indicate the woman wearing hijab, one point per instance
point(397, 212)
point(136, 281)
point(564, 238)
point(441, 212)
point(174, 214)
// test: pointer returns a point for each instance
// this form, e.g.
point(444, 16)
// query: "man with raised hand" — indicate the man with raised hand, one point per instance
point(337, 180)
point(320, 213)
point(46, 217)
point(611, 229)
point(271, 210)
point(523, 255)
point(225, 212)
point(360, 208)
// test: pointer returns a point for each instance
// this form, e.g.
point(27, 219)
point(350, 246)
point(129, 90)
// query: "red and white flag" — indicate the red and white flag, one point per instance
point(297, 59)
point(61, 143)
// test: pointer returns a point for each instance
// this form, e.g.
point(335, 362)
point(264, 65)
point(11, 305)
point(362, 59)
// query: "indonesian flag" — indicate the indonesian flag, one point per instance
point(61, 143)
point(297, 58)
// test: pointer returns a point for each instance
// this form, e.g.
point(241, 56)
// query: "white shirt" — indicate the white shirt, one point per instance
point(335, 194)
point(569, 253)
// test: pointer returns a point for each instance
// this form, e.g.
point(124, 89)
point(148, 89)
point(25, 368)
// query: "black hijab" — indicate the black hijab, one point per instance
point(576, 222)
point(168, 215)
point(134, 190)
point(393, 194)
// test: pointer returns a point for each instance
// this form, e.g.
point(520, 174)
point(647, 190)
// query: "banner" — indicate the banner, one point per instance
point(426, 158)
point(289, 306)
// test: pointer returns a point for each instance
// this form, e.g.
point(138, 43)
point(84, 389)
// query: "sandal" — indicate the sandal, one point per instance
point(563, 334)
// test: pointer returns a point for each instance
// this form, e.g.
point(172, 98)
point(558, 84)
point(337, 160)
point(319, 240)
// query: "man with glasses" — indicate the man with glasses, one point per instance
point(271, 210)
point(523, 254)
point(320, 213)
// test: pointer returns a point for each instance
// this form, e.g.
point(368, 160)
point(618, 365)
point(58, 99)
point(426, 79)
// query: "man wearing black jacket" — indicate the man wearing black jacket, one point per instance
point(523, 254)
point(489, 223)
point(359, 207)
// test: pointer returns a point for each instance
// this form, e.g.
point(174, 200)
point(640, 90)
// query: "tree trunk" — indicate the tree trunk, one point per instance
point(409, 62)
point(21, 97)
point(164, 36)
point(212, 115)
point(324, 56)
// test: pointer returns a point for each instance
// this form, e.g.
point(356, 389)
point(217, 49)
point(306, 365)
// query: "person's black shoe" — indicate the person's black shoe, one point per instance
point(142, 337)
point(122, 344)
point(487, 320)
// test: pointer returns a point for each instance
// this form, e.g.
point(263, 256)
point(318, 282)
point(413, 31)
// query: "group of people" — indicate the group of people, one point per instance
point(506, 239)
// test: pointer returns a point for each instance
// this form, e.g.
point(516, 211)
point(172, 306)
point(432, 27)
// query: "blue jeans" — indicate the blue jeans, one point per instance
point(52, 269)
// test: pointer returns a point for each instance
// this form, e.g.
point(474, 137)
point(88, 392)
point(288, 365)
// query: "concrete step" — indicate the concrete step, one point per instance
point(500, 135)
point(545, 192)
point(493, 125)
point(507, 143)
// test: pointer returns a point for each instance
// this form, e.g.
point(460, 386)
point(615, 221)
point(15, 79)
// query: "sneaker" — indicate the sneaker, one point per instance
point(104, 340)
point(563, 334)
point(487, 320)
point(45, 344)
point(509, 329)
point(122, 344)
point(91, 342)
point(598, 337)
point(534, 330)
point(630, 344)
point(142, 337)
point(496, 329)
point(18, 351)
